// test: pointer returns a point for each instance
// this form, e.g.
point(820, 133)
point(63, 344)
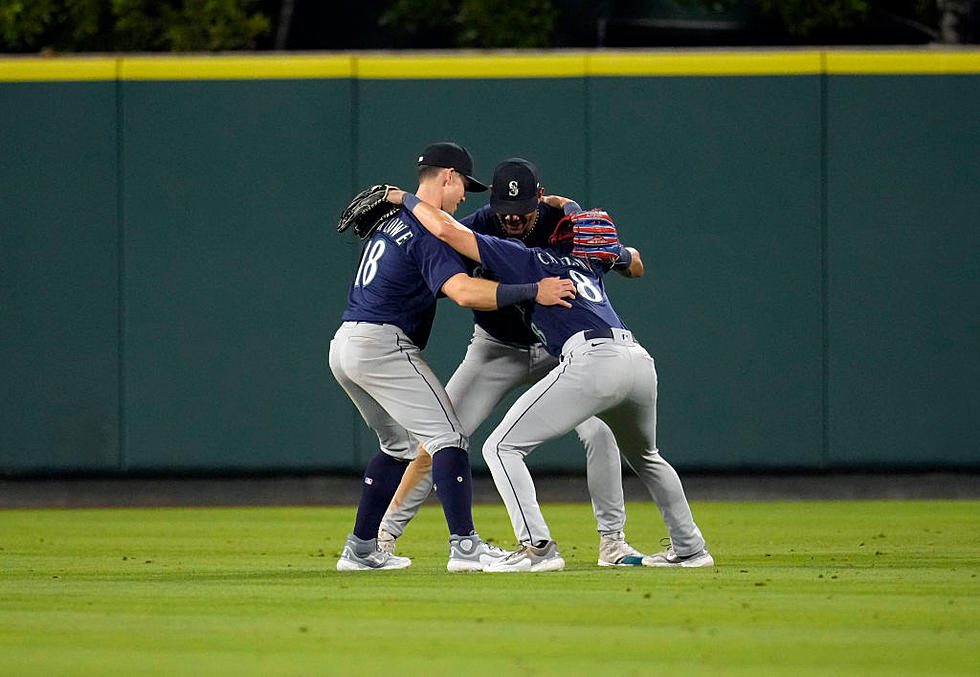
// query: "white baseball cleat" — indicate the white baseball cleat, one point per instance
point(669, 558)
point(614, 551)
point(530, 558)
point(361, 555)
point(472, 553)
point(386, 541)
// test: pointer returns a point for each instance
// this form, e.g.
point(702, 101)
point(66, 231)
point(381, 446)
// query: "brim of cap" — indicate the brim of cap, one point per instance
point(474, 186)
point(514, 206)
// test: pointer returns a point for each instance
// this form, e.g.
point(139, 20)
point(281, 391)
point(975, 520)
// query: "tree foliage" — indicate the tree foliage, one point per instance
point(839, 19)
point(217, 25)
point(807, 17)
point(130, 25)
point(485, 24)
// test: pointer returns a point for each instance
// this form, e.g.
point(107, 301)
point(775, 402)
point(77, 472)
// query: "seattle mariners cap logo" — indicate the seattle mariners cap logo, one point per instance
point(453, 156)
point(514, 187)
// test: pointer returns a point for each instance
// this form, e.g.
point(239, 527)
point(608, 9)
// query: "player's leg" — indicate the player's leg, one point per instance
point(380, 478)
point(604, 474)
point(408, 390)
point(634, 423)
point(604, 471)
point(412, 491)
point(405, 386)
point(550, 408)
point(489, 370)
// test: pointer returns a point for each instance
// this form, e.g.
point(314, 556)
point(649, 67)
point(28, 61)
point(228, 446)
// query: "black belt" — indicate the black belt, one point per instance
point(591, 334)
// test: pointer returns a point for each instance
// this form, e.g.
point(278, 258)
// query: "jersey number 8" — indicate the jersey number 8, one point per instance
point(584, 287)
point(369, 263)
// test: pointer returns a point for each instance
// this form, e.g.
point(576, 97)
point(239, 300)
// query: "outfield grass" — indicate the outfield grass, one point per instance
point(814, 588)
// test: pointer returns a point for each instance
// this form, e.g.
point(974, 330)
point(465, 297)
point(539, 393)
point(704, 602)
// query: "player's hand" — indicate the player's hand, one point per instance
point(556, 201)
point(395, 195)
point(552, 291)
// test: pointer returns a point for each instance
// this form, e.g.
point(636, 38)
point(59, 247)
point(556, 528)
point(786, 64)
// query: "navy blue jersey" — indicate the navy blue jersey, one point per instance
point(401, 271)
point(513, 263)
point(507, 324)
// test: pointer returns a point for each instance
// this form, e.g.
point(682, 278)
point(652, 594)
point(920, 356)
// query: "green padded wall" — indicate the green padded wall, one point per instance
point(904, 270)
point(717, 182)
point(170, 277)
point(59, 278)
point(232, 273)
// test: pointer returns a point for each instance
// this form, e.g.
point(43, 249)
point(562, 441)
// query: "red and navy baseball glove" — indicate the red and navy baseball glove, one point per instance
point(592, 235)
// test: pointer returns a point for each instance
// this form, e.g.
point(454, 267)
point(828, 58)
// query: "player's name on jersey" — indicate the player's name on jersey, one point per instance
point(397, 229)
point(547, 259)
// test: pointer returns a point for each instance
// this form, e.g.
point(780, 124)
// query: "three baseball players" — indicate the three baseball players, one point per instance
point(603, 371)
point(593, 364)
point(504, 354)
point(376, 357)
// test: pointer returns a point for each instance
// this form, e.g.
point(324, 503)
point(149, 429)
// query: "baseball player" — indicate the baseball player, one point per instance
point(376, 357)
point(503, 354)
point(602, 371)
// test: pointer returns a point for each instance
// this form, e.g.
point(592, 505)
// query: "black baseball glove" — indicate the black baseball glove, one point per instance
point(367, 210)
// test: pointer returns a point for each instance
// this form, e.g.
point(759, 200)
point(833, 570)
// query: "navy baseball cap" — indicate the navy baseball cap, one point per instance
point(514, 187)
point(452, 156)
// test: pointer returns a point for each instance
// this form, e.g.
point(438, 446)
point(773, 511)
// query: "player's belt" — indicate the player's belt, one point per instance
point(605, 332)
point(575, 340)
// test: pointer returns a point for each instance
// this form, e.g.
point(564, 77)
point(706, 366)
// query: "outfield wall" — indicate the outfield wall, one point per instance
point(170, 278)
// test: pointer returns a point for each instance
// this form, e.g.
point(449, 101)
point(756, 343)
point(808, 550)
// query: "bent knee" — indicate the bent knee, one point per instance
point(595, 435)
point(498, 447)
point(435, 444)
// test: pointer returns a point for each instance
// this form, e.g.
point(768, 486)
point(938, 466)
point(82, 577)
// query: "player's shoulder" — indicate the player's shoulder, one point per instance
point(549, 214)
point(480, 221)
point(401, 228)
point(413, 224)
point(410, 235)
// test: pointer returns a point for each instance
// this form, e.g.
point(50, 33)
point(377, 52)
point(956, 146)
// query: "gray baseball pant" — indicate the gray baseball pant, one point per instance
point(615, 379)
point(397, 393)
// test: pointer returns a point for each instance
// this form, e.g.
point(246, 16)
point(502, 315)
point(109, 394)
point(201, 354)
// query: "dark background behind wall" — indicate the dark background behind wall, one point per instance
point(170, 277)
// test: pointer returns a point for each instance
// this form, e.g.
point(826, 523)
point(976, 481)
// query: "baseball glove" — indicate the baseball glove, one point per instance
point(367, 210)
point(592, 234)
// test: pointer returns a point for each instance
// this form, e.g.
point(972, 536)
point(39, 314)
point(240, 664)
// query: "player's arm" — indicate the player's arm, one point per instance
point(471, 292)
point(567, 205)
point(479, 294)
point(440, 224)
point(629, 263)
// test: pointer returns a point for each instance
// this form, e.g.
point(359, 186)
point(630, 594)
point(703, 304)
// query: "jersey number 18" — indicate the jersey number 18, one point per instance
point(369, 263)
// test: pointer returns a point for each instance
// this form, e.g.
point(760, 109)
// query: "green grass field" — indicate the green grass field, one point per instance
point(808, 588)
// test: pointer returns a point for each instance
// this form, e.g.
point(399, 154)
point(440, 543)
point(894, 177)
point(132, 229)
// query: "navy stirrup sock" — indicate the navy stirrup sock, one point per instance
point(454, 487)
point(381, 479)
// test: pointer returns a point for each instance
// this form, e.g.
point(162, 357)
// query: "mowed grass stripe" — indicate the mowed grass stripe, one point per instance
point(808, 588)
